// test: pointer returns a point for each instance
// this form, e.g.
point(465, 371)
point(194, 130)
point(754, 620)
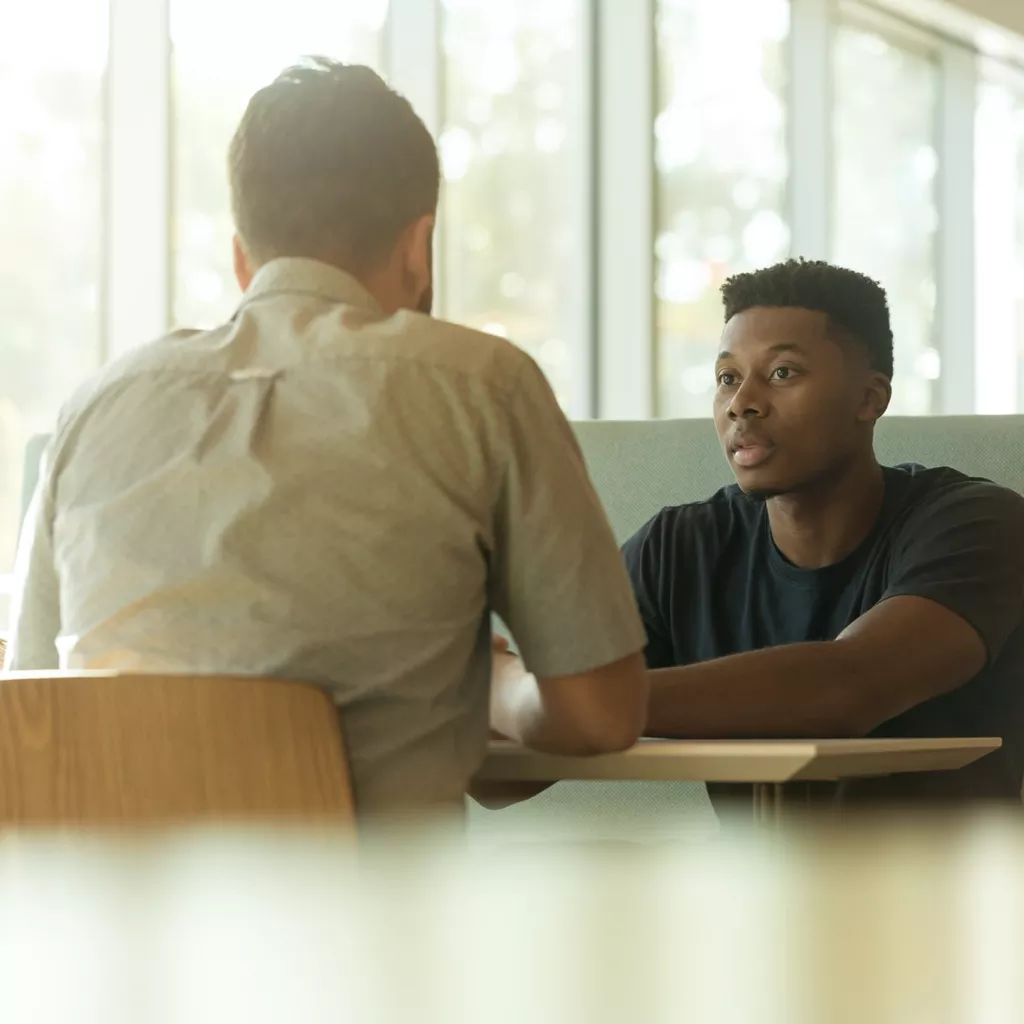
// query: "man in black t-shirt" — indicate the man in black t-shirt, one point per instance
point(823, 595)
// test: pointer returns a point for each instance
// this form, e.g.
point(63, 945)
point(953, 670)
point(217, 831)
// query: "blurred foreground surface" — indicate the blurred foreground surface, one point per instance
point(874, 922)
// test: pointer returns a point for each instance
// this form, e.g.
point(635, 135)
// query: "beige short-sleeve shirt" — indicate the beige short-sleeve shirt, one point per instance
point(318, 492)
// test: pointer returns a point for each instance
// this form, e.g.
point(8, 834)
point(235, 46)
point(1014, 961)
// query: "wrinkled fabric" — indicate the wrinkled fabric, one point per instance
point(318, 492)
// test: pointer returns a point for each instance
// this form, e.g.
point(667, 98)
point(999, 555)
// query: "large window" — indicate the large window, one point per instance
point(223, 50)
point(52, 61)
point(510, 146)
point(999, 216)
point(603, 175)
point(884, 208)
point(720, 151)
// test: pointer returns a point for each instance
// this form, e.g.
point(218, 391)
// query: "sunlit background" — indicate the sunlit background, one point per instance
point(890, 144)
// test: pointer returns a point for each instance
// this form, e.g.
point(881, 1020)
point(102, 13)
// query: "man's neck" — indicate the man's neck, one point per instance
point(820, 526)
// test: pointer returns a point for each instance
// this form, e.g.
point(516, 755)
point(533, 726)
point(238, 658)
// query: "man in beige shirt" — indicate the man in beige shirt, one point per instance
point(335, 487)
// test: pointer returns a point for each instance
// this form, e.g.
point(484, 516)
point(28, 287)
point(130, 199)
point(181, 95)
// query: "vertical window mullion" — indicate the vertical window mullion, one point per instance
point(138, 179)
point(809, 96)
point(414, 67)
point(585, 344)
point(626, 208)
point(956, 237)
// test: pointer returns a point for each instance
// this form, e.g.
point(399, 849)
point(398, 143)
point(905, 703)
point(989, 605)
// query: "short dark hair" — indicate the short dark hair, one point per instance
point(853, 302)
point(329, 162)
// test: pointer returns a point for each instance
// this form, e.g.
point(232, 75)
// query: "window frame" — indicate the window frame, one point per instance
point(614, 316)
point(425, 88)
point(860, 16)
point(626, 321)
point(999, 352)
point(613, 294)
point(138, 185)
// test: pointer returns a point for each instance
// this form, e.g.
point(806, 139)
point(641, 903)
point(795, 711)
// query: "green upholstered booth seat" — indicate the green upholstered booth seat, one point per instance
point(640, 467)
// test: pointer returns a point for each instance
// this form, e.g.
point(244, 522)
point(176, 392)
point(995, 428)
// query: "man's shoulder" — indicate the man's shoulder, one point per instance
point(159, 354)
point(711, 519)
point(478, 356)
point(727, 503)
point(939, 487)
point(933, 502)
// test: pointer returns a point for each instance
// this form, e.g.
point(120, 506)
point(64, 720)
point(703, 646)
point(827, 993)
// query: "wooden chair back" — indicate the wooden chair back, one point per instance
point(107, 748)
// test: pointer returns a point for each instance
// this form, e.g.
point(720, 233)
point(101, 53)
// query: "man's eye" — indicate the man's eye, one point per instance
point(782, 373)
point(726, 380)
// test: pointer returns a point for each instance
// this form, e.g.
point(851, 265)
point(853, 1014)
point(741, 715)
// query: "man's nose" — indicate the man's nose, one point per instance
point(748, 401)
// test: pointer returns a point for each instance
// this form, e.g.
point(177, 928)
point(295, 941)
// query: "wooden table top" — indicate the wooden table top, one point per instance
point(755, 761)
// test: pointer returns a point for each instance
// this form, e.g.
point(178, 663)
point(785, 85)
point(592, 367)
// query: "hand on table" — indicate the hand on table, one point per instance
point(492, 794)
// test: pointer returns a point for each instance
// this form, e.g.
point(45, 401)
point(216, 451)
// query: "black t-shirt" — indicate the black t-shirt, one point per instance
point(710, 582)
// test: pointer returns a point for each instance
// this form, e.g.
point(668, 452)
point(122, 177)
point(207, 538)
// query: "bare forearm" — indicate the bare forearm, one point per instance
point(516, 709)
point(808, 689)
point(594, 712)
point(519, 712)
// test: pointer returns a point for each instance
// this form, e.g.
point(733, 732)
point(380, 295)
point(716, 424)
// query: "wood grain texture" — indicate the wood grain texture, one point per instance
point(107, 748)
point(771, 761)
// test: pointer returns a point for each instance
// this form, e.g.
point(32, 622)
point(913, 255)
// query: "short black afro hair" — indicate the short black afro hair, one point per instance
point(852, 301)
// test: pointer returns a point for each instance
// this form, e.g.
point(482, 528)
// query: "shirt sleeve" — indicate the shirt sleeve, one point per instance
point(965, 551)
point(644, 560)
point(557, 579)
point(35, 613)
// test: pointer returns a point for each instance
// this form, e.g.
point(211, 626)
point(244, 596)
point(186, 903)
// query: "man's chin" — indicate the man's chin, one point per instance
point(760, 496)
point(758, 490)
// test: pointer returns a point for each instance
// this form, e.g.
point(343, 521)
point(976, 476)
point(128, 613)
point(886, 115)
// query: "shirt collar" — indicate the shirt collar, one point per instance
point(296, 276)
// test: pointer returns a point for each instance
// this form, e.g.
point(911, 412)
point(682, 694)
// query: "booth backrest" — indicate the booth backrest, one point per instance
point(640, 467)
point(643, 465)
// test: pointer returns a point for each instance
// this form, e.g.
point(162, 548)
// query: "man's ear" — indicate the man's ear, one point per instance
point(419, 256)
point(244, 270)
point(877, 395)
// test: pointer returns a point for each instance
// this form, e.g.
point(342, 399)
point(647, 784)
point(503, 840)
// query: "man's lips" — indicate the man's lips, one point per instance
point(748, 452)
